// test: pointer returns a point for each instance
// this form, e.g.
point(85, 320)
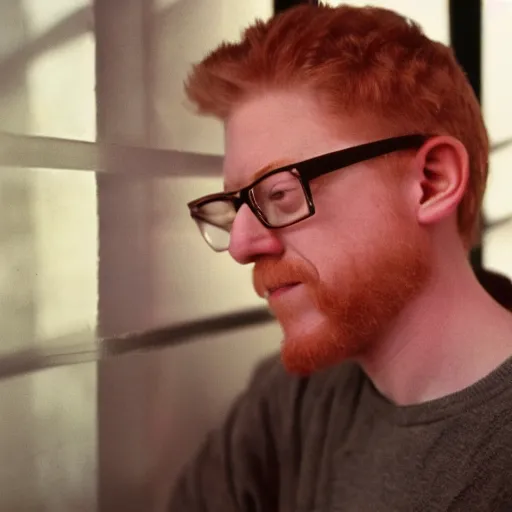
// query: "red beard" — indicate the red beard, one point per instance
point(353, 309)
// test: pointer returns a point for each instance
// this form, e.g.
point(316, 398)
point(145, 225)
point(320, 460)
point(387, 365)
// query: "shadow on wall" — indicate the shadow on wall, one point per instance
point(186, 404)
point(17, 286)
point(157, 408)
point(13, 66)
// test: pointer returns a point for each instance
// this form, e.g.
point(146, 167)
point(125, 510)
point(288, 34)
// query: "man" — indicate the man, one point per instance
point(355, 165)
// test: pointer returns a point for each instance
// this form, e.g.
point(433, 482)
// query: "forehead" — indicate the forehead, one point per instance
point(273, 130)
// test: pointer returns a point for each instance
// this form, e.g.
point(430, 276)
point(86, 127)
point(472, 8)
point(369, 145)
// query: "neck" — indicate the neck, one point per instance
point(450, 337)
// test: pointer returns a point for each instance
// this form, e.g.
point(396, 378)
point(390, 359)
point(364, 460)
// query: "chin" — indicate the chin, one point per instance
point(312, 350)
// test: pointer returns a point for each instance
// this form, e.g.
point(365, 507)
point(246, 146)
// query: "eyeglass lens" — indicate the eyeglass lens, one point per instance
point(279, 198)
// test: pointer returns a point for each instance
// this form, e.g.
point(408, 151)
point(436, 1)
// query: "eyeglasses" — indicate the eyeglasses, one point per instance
point(282, 197)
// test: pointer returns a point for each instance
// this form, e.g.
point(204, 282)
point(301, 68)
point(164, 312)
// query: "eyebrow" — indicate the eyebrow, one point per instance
point(264, 170)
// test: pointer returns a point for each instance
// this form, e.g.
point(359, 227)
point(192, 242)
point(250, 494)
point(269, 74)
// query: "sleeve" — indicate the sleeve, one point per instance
point(236, 468)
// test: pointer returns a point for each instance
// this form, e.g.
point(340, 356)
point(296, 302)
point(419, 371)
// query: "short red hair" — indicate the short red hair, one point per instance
point(366, 60)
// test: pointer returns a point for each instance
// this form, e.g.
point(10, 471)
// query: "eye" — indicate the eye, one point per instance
point(285, 196)
point(280, 198)
point(281, 193)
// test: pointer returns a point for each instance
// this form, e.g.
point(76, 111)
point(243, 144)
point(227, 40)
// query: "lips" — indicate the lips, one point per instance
point(272, 277)
point(276, 290)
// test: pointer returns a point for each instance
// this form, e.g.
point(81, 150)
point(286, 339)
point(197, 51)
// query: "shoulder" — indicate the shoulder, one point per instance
point(490, 484)
point(489, 455)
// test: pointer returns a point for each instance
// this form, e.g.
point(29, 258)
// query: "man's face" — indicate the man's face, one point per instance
point(338, 279)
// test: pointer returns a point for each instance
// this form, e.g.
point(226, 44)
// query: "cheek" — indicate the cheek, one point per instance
point(346, 240)
point(348, 228)
point(353, 206)
point(327, 245)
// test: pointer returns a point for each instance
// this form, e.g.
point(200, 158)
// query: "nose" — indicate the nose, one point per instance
point(250, 239)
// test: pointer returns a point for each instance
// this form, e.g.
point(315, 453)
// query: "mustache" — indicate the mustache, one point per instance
point(270, 274)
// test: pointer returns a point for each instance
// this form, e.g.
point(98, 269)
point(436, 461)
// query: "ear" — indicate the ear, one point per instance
point(443, 174)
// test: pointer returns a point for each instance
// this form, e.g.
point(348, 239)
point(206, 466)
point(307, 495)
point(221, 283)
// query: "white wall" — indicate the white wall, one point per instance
point(47, 258)
point(497, 105)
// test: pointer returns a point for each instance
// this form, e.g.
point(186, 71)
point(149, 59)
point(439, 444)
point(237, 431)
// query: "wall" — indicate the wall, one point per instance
point(155, 269)
point(497, 105)
point(48, 258)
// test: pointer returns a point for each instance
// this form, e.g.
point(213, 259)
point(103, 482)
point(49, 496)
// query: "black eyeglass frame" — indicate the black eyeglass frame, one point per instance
point(308, 170)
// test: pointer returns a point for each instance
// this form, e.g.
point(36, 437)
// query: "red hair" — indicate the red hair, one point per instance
point(358, 60)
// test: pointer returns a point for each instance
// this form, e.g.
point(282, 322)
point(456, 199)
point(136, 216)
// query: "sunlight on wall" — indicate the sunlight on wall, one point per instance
point(497, 105)
point(62, 102)
point(66, 249)
point(62, 97)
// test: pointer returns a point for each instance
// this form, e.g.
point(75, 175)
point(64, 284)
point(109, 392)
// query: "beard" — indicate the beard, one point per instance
point(345, 317)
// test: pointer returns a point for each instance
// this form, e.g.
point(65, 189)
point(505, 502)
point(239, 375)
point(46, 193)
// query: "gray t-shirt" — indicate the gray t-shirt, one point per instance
point(331, 442)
